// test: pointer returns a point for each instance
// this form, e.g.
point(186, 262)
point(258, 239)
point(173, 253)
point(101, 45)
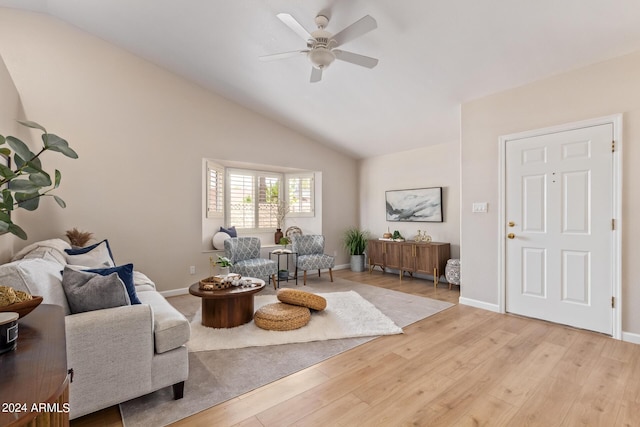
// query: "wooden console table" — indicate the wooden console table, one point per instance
point(409, 256)
point(35, 380)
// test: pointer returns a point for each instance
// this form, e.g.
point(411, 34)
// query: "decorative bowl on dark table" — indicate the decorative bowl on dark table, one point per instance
point(23, 308)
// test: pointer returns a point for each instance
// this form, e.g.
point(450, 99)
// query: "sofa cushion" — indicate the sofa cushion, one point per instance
point(143, 282)
point(88, 291)
point(94, 256)
point(125, 272)
point(171, 329)
point(38, 277)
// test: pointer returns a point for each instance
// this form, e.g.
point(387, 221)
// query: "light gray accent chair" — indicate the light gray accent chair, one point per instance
point(244, 254)
point(118, 353)
point(310, 254)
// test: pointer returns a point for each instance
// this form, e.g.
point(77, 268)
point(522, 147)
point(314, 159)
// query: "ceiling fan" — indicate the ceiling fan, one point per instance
point(321, 45)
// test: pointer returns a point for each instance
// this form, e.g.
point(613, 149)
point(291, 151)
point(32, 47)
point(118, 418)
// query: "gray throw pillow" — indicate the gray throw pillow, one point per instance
point(91, 291)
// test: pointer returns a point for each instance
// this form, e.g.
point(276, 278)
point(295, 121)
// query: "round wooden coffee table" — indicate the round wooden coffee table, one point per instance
point(227, 308)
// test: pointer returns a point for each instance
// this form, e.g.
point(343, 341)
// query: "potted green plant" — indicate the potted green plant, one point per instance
point(22, 178)
point(224, 263)
point(355, 242)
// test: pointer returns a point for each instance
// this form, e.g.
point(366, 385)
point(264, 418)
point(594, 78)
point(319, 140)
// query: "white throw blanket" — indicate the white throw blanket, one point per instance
point(55, 247)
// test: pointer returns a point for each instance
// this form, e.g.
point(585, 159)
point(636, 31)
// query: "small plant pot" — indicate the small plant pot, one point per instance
point(283, 274)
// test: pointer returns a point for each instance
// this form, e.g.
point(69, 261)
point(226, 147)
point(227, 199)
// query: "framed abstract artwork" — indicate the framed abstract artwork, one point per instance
point(415, 205)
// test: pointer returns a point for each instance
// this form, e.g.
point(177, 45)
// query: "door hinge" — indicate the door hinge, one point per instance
point(613, 146)
point(613, 223)
point(613, 302)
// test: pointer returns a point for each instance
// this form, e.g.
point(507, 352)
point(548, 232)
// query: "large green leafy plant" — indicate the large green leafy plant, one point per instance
point(355, 241)
point(23, 181)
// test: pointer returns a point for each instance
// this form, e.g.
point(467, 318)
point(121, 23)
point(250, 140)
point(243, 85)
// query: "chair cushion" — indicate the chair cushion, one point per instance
point(257, 267)
point(302, 298)
point(315, 262)
point(308, 244)
point(281, 317)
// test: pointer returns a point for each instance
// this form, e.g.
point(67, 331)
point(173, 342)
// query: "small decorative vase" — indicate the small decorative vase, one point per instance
point(224, 271)
point(278, 235)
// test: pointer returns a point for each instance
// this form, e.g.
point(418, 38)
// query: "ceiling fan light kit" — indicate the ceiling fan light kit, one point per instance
point(321, 44)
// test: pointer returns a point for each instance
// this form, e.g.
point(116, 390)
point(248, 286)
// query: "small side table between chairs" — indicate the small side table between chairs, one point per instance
point(282, 276)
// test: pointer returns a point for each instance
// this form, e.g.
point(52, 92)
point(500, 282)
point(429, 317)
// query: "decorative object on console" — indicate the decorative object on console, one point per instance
point(397, 237)
point(19, 192)
point(355, 241)
point(77, 238)
point(387, 235)
point(422, 237)
point(420, 204)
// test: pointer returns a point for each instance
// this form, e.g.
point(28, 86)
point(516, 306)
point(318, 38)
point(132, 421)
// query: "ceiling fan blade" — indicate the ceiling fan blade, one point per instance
point(292, 23)
point(358, 28)
point(316, 75)
point(354, 58)
point(283, 55)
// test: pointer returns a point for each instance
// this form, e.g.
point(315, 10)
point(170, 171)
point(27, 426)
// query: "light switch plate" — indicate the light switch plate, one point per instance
point(480, 207)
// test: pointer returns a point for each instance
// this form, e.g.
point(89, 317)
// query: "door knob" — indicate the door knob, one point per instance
point(511, 236)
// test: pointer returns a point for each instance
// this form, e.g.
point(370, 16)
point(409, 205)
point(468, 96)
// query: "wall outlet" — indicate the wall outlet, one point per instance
point(192, 269)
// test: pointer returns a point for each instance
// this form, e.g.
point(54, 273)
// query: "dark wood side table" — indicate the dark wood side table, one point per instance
point(34, 376)
point(289, 275)
point(226, 308)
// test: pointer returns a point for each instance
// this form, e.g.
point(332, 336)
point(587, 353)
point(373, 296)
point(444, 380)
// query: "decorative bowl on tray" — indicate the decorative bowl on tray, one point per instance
point(23, 308)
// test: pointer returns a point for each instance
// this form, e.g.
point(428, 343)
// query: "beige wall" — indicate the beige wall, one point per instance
point(430, 166)
point(141, 134)
point(594, 91)
point(10, 111)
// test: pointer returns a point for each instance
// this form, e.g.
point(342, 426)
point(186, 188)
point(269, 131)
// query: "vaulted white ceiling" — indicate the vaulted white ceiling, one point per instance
point(434, 55)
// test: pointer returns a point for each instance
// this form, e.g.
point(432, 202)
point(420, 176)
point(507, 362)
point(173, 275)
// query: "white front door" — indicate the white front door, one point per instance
point(559, 210)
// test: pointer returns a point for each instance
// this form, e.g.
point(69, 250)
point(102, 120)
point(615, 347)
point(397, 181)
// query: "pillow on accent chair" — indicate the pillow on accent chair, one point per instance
point(125, 273)
point(91, 291)
point(94, 256)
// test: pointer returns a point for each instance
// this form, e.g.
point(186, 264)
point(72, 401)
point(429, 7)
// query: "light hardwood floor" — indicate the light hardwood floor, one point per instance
point(461, 367)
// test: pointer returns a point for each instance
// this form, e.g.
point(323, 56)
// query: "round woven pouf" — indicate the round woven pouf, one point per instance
point(281, 317)
point(302, 298)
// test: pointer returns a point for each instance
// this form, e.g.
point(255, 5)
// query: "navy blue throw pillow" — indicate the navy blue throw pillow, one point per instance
point(231, 231)
point(125, 273)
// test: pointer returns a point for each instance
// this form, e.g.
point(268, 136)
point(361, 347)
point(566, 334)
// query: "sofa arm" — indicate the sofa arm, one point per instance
point(110, 352)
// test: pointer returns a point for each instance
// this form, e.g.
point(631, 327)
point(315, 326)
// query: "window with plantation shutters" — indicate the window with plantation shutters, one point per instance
point(215, 190)
point(252, 199)
point(300, 194)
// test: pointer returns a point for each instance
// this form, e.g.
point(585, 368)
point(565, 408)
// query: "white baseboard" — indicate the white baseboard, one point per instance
point(631, 337)
point(479, 304)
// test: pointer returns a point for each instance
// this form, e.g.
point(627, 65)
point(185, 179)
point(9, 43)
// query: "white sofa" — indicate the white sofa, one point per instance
point(117, 353)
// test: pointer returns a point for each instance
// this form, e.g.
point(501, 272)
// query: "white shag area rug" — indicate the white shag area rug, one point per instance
point(347, 315)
